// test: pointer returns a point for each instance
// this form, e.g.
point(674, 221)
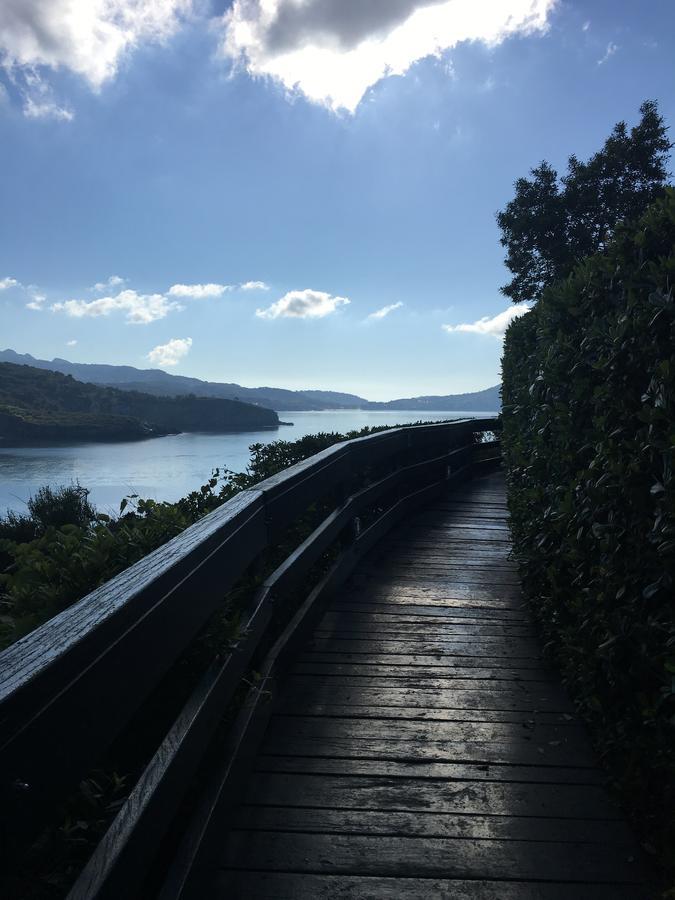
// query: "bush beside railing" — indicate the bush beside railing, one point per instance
point(589, 438)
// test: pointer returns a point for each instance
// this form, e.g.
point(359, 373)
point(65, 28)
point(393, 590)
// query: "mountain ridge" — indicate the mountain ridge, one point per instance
point(160, 383)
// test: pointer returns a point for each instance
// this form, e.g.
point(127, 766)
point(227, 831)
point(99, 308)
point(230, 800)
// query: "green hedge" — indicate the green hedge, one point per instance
point(589, 435)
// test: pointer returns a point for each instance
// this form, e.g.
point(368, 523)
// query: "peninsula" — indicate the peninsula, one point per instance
point(41, 406)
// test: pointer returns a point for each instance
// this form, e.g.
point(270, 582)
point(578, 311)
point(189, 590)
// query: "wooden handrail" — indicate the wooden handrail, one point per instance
point(71, 686)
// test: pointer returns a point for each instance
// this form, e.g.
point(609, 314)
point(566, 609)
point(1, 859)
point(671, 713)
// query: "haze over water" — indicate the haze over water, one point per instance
point(168, 468)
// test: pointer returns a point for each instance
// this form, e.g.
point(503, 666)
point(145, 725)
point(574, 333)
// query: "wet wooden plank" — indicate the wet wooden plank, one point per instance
point(474, 555)
point(430, 824)
point(298, 886)
point(427, 857)
point(457, 677)
point(431, 769)
point(430, 714)
point(514, 649)
point(563, 738)
point(439, 660)
point(507, 753)
point(381, 624)
point(446, 574)
point(569, 801)
point(443, 595)
point(527, 697)
point(461, 609)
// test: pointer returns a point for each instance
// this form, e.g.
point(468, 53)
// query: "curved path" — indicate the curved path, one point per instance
point(420, 747)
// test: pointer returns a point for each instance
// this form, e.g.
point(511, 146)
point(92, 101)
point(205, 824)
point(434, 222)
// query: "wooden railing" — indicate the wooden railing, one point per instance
point(69, 688)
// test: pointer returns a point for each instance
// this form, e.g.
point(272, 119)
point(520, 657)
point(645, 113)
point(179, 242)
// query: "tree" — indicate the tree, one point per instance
point(552, 223)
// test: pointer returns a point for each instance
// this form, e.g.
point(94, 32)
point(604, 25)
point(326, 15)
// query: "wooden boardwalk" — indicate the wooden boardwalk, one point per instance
point(420, 748)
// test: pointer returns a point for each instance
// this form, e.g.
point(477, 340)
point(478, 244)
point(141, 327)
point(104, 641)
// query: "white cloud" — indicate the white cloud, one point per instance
point(198, 291)
point(171, 353)
point(381, 313)
point(254, 286)
point(334, 50)
point(609, 52)
point(72, 343)
point(88, 37)
point(495, 326)
point(37, 301)
point(139, 309)
point(112, 282)
point(44, 108)
point(305, 304)
point(37, 298)
point(34, 92)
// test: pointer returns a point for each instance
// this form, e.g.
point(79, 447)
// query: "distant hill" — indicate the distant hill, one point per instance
point(160, 383)
point(488, 400)
point(39, 405)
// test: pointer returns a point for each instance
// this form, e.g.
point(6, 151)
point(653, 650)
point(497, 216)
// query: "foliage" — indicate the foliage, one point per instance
point(60, 853)
point(552, 224)
point(61, 506)
point(589, 439)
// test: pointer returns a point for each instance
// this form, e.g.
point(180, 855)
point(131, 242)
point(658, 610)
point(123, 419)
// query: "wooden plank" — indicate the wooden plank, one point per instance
point(428, 857)
point(449, 563)
point(523, 753)
point(430, 769)
point(428, 714)
point(446, 574)
point(521, 649)
point(568, 738)
point(298, 886)
point(413, 631)
point(432, 825)
point(459, 677)
point(456, 549)
point(340, 623)
point(528, 697)
point(459, 610)
point(439, 526)
point(479, 500)
point(442, 663)
point(442, 555)
point(403, 640)
point(374, 615)
point(396, 590)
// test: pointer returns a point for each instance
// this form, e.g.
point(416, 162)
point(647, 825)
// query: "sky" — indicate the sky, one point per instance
point(296, 193)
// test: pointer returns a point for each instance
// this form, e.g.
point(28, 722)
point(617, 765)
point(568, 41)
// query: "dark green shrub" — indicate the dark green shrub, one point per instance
point(56, 507)
point(18, 527)
point(589, 437)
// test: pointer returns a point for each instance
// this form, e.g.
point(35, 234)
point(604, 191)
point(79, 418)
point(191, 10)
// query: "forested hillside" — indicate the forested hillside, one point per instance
point(39, 405)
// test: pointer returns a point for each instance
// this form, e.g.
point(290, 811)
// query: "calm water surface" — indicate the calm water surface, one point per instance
point(169, 467)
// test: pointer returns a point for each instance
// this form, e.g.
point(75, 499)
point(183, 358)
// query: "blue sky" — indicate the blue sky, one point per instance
point(253, 227)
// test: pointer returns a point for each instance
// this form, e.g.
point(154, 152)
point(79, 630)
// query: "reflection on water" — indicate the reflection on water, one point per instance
point(169, 467)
